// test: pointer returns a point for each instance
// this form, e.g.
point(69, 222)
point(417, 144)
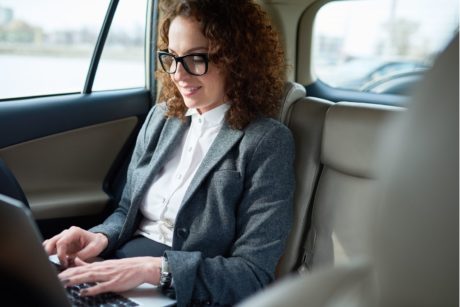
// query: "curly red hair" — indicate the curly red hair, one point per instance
point(243, 42)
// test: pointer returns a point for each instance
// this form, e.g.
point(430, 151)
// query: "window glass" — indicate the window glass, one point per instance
point(46, 46)
point(381, 46)
point(122, 60)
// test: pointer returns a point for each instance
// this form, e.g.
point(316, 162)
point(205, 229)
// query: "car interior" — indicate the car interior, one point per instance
point(376, 196)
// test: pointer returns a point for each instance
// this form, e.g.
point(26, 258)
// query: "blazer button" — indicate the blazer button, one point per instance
point(182, 233)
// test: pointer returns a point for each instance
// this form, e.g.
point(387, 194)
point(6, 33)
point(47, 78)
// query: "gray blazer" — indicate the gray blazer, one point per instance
point(235, 216)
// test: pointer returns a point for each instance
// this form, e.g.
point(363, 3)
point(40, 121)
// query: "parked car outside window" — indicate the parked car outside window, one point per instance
point(359, 44)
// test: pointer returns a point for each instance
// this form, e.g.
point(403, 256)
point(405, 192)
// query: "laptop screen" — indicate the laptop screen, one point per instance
point(26, 273)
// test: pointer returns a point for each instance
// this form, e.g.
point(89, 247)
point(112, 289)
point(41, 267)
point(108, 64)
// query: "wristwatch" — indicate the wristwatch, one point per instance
point(165, 275)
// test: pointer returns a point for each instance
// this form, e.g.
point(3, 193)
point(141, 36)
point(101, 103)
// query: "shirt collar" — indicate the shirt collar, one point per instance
point(212, 117)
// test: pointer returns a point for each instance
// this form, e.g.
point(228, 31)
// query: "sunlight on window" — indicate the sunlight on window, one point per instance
point(380, 46)
point(122, 61)
point(48, 51)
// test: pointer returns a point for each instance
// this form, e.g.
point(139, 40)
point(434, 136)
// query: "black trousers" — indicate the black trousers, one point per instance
point(140, 246)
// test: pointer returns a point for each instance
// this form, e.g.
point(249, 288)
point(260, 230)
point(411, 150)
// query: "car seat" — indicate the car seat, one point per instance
point(413, 251)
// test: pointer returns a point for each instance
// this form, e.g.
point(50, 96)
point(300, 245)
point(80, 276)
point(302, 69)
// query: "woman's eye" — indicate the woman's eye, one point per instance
point(168, 59)
point(198, 59)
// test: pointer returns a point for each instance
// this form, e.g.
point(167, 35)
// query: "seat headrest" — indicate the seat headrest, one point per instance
point(352, 135)
point(292, 92)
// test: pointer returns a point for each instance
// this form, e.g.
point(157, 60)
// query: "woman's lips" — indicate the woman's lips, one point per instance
point(190, 90)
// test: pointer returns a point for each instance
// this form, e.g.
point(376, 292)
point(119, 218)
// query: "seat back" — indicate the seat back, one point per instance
point(337, 149)
point(351, 148)
point(416, 257)
point(305, 118)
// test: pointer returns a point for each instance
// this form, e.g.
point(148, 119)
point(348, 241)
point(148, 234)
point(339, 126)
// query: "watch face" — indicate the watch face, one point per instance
point(164, 265)
point(165, 275)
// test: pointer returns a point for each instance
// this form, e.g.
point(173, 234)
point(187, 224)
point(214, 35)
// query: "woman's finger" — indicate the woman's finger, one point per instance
point(111, 275)
point(101, 287)
point(50, 244)
point(88, 250)
point(86, 277)
point(79, 262)
point(80, 267)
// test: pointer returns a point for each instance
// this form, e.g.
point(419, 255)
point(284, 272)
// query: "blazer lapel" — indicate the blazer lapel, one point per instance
point(169, 139)
point(225, 139)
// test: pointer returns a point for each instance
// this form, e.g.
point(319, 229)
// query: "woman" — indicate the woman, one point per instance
point(208, 200)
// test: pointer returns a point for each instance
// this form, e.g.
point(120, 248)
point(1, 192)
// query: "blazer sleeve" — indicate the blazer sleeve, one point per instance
point(264, 218)
point(113, 225)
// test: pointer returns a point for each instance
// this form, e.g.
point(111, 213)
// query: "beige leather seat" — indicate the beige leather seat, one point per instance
point(336, 152)
point(416, 243)
point(413, 252)
point(351, 148)
point(292, 92)
point(305, 117)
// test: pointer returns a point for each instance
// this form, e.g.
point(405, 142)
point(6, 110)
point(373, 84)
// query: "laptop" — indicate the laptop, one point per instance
point(28, 277)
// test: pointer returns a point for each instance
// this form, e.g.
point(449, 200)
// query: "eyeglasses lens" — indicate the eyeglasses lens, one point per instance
point(195, 64)
point(168, 63)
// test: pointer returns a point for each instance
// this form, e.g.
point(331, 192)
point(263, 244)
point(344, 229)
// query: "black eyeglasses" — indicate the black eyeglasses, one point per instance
point(194, 63)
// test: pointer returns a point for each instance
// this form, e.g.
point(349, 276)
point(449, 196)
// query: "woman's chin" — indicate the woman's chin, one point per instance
point(191, 104)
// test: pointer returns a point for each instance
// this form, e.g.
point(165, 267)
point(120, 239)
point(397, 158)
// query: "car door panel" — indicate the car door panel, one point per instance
point(25, 119)
point(62, 174)
point(65, 150)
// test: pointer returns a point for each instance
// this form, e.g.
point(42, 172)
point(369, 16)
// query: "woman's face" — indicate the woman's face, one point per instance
point(201, 92)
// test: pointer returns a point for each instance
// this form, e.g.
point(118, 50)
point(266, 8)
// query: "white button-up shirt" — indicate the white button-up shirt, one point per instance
point(164, 197)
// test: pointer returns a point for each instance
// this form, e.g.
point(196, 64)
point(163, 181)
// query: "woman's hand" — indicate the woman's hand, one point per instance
point(75, 242)
point(113, 275)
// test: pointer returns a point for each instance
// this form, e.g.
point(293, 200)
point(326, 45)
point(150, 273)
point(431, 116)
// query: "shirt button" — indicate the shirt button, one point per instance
point(179, 176)
point(190, 149)
point(200, 120)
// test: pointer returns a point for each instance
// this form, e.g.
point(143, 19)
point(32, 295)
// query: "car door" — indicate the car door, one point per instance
point(76, 85)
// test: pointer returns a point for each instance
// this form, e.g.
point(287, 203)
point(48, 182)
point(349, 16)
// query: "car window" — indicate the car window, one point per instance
point(380, 46)
point(123, 53)
point(47, 51)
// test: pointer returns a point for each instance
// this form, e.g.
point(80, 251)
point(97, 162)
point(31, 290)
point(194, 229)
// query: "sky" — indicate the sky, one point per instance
point(435, 14)
point(54, 14)
point(436, 18)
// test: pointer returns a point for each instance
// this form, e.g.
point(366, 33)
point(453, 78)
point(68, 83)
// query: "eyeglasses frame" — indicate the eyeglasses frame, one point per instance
point(180, 59)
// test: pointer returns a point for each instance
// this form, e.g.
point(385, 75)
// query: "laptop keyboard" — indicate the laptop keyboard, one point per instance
point(100, 300)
